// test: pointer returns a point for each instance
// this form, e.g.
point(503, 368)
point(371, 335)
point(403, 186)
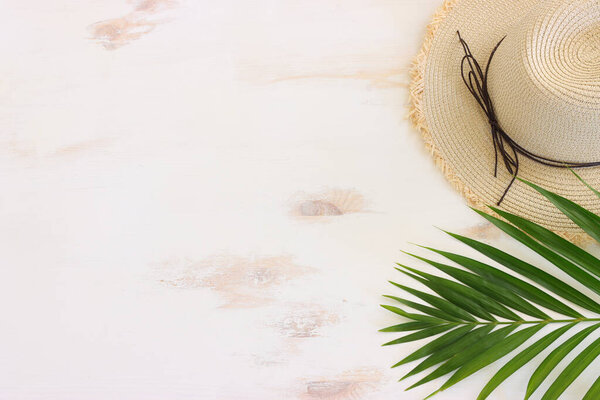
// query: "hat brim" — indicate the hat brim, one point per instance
point(457, 133)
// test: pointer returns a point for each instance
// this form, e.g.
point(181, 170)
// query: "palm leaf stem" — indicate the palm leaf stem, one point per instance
point(545, 321)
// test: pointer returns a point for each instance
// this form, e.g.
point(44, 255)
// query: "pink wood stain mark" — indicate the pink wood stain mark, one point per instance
point(328, 203)
point(482, 231)
point(28, 149)
point(349, 385)
point(153, 5)
point(117, 32)
point(379, 79)
point(306, 321)
point(371, 68)
point(274, 358)
point(82, 147)
point(244, 282)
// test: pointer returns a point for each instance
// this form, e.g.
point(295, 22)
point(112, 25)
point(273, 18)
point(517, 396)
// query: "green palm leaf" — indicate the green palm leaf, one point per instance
point(467, 355)
point(573, 370)
point(520, 287)
point(455, 293)
point(551, 240)
point(537, 275)
point(497, 292)
point(594, 392)
point(521, 359)
point(597, 193)
point(555, 357)
point(575, 252)
point(463, 309)
point(451, 350)
point(416, 317)
point(407, 327)
point(476, 299)
point(434, 312)
point(587, 220)
point(442, 304)
point(492, 354)
point(422, 334)
point(437, 344)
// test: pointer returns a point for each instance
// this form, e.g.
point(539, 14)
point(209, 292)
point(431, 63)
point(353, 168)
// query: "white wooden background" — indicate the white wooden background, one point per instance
point(205, 199)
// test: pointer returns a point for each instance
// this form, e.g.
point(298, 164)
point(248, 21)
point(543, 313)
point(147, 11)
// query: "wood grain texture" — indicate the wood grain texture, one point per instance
point(205, 199)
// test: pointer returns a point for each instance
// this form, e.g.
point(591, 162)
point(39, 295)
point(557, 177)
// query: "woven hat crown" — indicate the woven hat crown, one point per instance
point(545, 80)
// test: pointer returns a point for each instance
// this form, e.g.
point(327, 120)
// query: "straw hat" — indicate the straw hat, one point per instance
point(544, 83)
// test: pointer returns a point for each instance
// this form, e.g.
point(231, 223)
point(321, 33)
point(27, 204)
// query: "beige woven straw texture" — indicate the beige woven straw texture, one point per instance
point(545, 85)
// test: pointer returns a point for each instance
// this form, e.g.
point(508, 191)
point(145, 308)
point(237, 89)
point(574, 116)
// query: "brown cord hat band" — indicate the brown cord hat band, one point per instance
point(476, 81)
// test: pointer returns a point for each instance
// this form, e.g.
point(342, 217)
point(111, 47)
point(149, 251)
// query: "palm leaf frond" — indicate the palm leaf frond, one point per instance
point(585, 219)
point(521, 359)
point(452, 350)
point(483, 314)
point(555, 357)
point(597, 193)
point(550, 240)
point(594, 392)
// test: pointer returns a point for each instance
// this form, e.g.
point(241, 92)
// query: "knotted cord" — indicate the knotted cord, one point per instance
point(476, 81)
